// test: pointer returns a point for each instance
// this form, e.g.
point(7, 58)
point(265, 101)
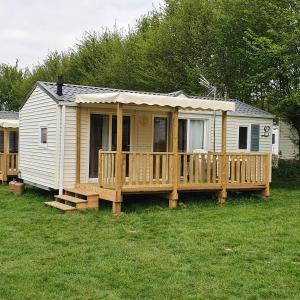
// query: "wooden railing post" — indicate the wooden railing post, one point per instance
point(6, 153)
point(78, 143)
point(100, 169)
point(265, 193)
point(119, 162)
point(222, 195)
point(173, 197)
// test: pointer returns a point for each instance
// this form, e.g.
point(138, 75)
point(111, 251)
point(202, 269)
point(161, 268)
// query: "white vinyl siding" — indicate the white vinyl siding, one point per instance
point(265, 143)
point(38, 164)
point(287, 149)
point(70, 147)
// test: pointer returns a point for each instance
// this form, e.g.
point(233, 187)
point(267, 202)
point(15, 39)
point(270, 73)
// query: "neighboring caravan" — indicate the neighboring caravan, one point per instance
point(288, 149)
point(9, 142)
point(169, 143)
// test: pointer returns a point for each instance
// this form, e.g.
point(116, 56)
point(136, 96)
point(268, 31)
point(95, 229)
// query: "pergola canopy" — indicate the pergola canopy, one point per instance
point(158, 100)
point(7, 123)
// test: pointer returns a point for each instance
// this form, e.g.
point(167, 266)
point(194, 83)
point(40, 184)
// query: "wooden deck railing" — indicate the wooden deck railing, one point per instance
point(107, 168)
point(245, 168)
point(1, 162)
point(11, 166)
point(195, 171)
point(139, 168)
point(147, 168)
point(199, 169)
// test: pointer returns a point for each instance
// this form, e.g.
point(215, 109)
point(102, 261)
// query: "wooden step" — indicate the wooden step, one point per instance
point(61, 206)
point(70, 199)
point(80, 191)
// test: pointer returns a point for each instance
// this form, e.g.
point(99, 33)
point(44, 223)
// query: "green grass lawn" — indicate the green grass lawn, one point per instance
point(247, 249)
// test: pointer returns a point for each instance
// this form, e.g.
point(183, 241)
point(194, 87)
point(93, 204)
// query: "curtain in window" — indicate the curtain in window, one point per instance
point(105, 131)
point(196, 138)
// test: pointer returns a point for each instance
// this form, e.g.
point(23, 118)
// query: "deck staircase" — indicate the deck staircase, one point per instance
point(74, 200)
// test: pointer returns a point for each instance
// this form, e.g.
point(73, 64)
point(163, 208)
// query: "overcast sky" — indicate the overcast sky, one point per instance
point(31, 28)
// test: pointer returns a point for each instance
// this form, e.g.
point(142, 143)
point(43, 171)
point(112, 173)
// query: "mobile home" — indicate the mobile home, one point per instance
point(106, 143)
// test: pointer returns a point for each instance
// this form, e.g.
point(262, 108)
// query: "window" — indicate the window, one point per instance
point(1, 141)
point(243, 137)
point(160, 140)
point(196, 135)
point(273, 139)
point(182, 135)
point(44, 135)
point(191, 135)
point(13, 142)
point(248, 137)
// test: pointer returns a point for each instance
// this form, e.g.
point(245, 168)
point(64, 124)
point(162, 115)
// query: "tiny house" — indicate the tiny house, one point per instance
point(9, 144)
point(108, 143)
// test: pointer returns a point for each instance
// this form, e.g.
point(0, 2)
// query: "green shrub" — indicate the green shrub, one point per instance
point(287, 169)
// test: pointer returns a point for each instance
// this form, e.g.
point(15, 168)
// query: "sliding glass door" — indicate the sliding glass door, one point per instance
point(191, 135)
point(99, 139)
point(103, 135)
point(126, 134)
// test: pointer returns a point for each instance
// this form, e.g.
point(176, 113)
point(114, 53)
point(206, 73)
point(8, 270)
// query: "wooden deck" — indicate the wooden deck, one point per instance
point(146, 172)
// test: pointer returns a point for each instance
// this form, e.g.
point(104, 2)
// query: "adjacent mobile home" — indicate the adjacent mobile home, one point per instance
point(9, 144)
point(110, 143)
point(287, 137)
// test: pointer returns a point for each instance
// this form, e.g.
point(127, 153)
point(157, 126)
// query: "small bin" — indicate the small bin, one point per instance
point(12, 185)
point(19, 188)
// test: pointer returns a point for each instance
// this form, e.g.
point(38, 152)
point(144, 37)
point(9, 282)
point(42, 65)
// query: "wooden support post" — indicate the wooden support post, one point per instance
point(265, 193)
point(224, 131)
point(6, 154)
point(116, 208)
point(78, 143)
point(173, 197)
point(222, 195)
point(119, 162)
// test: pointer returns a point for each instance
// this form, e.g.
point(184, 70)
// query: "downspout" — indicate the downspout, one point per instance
point(62, 149)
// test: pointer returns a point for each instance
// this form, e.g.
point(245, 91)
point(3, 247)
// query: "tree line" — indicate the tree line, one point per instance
point(248, 49)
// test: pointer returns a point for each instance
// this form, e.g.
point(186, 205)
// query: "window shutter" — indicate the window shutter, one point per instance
point(255, 128)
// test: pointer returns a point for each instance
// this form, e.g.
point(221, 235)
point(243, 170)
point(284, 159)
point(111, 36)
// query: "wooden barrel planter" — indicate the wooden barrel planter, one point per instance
point(19, 188)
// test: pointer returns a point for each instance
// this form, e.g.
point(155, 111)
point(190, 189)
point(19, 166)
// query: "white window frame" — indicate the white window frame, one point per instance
point(43, 145)
point(206, 141)
point(248, 137)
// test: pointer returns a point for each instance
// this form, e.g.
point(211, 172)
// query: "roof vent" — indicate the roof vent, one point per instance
point(60, 83)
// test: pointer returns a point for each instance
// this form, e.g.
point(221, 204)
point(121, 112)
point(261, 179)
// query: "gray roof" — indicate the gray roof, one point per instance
point(9, 115)
point(70, 91)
